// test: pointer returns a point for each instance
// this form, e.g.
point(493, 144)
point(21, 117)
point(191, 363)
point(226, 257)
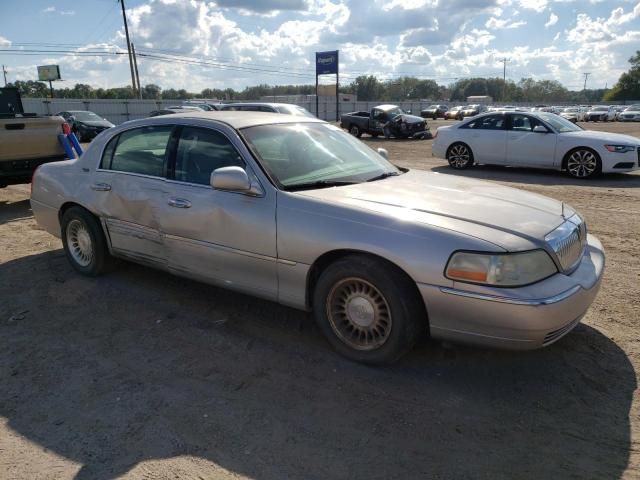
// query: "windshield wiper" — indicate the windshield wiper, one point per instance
point(318, 184)
point(384, 175)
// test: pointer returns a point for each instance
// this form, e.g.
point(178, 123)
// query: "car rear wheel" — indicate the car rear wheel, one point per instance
point(84, 242)
point(367, 310)
point(355, 131)
point(459, 156)
point(583, 163)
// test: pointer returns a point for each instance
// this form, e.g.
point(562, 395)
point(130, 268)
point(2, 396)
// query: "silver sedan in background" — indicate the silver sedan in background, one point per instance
point(296, 211)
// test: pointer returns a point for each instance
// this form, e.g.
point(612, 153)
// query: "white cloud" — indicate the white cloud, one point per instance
point(61, 12)
point(4, 42)
point(537, 5)
point(496, 23)
point(553, 19)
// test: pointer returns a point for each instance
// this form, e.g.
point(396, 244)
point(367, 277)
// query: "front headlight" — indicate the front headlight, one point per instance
point(500, 270)
point(620, 148)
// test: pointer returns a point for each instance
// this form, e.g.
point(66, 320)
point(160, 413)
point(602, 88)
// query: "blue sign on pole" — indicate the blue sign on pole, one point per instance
point(327, 63)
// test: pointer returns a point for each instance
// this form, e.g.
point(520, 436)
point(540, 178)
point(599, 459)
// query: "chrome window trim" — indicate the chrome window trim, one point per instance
point(536, 302)
point(235, 142)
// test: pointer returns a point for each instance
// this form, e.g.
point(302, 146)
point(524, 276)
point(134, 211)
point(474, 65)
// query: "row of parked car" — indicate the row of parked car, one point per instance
point(576, 113)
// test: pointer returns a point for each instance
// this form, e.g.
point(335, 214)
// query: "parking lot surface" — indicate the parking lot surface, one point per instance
point(139, 374)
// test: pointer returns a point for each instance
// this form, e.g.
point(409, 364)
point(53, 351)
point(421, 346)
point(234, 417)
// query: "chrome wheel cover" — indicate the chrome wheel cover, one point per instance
point(459, 156)
point(359, 314)
point(582, 163)
point(79, 243)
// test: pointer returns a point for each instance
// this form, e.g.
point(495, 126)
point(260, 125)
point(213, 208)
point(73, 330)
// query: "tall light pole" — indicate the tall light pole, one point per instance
point(4, 72)
point(586, 75)
point(126, 32)
point(504, 77)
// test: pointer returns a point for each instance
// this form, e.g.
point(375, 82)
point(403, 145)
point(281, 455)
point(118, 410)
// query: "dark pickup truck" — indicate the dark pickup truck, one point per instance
point(387, 120)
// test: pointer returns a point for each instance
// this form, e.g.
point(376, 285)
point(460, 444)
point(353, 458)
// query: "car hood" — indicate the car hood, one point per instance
point(486, 204)
point(604, 136)
point(96, 123)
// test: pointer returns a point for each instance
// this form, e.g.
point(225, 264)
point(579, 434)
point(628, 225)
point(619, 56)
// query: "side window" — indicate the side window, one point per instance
point(490, 122)
point(200, 152)
point(522, 123)
point(141, 150)
point(107, 154)
point(377, 114)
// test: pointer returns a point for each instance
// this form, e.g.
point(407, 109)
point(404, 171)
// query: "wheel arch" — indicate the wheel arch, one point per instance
point(327, 258)
point(69, 204)
point(565, 157)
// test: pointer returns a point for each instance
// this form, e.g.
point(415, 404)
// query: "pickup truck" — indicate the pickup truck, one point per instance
point(387, 120)
point(26, 140)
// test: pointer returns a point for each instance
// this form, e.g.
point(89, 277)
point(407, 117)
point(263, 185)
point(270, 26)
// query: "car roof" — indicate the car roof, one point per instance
point(258, 104)
point(385, 107)
point(233, 118)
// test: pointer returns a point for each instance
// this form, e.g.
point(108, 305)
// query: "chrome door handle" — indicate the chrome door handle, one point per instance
point(101, 187)
point(179, 203)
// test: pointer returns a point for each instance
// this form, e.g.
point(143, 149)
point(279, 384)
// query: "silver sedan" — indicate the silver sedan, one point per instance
point(296, 211)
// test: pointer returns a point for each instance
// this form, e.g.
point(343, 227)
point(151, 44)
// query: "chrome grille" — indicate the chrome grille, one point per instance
point(568, 242)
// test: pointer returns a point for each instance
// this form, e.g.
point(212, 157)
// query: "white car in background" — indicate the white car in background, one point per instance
point(573, 114)
point(600, 113)
point(630, 114)
point(535, 139)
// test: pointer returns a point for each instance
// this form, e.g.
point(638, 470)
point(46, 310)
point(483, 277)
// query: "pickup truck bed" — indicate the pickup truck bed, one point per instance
point(26, 140)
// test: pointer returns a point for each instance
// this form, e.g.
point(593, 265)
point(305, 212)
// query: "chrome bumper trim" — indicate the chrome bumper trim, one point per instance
point(513, 301)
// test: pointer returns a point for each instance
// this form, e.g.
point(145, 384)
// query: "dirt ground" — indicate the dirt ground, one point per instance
point(139, 374)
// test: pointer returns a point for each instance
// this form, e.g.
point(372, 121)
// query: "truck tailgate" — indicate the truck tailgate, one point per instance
point(30, 138)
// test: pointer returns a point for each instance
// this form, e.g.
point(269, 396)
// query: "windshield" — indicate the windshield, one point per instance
point(560, 124)
point(295, 110)
point(87, 117)
point(632, 108)
point(301, 153)
point(600, 109)
point(394, 111)
point(569, 110)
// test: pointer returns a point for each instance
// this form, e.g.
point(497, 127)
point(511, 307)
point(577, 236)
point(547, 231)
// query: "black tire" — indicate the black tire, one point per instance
point(375, 135)
point(100, 260)
point(404, 310)
point(355, 131)
point(583, 163)
point(459, 156)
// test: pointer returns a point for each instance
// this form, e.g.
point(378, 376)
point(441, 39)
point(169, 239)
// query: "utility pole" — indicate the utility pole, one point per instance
point(504, 77)
point(586, 76)
point(126, 32)
point(135, 65)
point(4, 72)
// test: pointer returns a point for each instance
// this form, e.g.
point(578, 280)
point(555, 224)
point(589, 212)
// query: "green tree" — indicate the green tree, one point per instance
point(628, 86)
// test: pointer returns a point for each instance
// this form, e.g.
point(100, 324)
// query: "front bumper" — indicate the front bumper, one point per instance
point(517, 318)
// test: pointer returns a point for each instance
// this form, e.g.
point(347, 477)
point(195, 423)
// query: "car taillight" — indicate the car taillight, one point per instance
point(66, 129)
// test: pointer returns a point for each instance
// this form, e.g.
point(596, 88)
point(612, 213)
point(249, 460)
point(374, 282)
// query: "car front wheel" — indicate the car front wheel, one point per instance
point(459, 156)
point(583, 163)
point(84, 242)
point(368, 310)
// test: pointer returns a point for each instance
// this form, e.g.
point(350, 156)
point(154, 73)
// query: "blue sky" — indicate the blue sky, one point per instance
point(235, 43)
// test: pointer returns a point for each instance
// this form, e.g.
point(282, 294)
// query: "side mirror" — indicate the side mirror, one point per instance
point(383, 153)
point(233, 179)
point(540, 129)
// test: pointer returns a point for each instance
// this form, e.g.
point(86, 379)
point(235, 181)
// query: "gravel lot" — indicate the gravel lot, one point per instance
point(140, 374)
